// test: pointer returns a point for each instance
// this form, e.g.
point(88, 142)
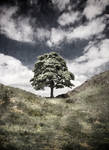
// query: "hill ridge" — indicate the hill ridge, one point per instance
point(78, 122)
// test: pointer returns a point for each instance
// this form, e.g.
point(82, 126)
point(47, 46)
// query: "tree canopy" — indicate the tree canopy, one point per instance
point(50, 70)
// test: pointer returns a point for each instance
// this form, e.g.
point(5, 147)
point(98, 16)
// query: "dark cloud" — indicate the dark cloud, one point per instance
point(42, 11)
point(32, 27)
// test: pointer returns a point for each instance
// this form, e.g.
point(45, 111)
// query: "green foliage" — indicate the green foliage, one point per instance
point(51, 71)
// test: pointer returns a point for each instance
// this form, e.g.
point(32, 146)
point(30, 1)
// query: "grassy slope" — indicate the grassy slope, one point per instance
point(78, 122)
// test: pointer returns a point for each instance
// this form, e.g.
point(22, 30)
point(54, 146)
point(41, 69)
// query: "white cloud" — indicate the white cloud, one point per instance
point(49, 43)
point(42, 34)
point(68, 18)
point(61, 4)
point(95, 27)
point(94, 8)
point(91, 62)
point(14, 73)
point(86, 31)
point(56, 37)
point(19, 30)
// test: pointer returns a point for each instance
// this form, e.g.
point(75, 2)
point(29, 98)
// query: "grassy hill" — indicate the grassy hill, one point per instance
point(78, 122)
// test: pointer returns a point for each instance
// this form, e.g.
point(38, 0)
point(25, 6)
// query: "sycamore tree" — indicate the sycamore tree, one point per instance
point(50, 70)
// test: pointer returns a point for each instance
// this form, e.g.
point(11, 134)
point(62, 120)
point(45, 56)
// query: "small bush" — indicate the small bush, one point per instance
point(5, 94)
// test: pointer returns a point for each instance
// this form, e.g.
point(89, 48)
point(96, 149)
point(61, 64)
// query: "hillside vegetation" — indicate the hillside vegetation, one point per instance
point(78, 122)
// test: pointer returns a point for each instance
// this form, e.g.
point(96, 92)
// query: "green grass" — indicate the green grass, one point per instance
point(79, 122)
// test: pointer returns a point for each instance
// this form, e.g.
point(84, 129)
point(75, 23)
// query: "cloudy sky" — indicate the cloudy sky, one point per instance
point(76, 29)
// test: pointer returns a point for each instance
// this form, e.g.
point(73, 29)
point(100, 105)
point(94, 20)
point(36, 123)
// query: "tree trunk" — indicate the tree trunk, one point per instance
point(51, 92)
point(52, 88)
